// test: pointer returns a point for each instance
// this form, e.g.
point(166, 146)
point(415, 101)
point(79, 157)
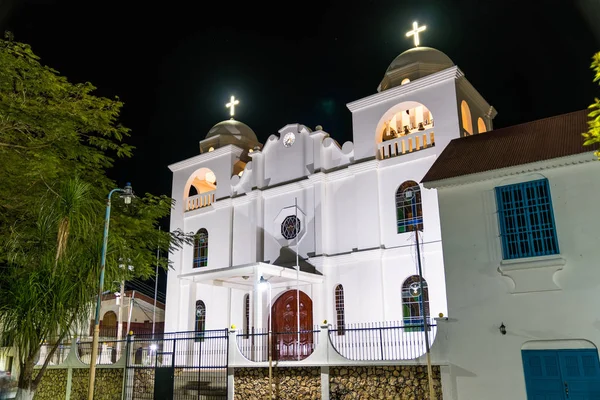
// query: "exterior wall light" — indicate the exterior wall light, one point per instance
point(502, 328)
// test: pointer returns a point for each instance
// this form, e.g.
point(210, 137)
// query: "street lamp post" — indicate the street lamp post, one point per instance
point(263, 284)
point(127, 195)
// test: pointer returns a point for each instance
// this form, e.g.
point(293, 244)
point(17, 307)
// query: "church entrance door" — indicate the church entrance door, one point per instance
point(285, 327)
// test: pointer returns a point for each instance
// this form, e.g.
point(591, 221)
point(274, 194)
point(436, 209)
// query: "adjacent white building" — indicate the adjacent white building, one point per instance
point(346, 214)
point(520, 223)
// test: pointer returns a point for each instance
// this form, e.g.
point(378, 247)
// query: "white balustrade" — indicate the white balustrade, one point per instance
point(412, 142)
point(200, 200)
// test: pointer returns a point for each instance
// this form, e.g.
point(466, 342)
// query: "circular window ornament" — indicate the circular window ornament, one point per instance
point(290, 227)
point(289, 139)
point(415, 289)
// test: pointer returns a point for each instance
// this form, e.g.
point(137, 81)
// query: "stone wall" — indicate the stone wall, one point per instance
point(302, 383)
point(108, 385)
point(53, 385)
point(394, 382)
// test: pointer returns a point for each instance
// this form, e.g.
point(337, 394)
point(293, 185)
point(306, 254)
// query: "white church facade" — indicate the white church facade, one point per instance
point(347, 215)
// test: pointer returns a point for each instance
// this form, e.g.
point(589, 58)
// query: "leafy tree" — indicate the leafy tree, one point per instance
point(593, 134)
point(57, 140)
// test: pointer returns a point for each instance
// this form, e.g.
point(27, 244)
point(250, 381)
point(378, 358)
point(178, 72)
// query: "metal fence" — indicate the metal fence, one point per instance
point(60, 354)
point(183, 365)
point(381, 341)
point(254, 345)
point(109, 351)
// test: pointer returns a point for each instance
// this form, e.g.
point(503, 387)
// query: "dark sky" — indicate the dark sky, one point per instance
point(175, 64)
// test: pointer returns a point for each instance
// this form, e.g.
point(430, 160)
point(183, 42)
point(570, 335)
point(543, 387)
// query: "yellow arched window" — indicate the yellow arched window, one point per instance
point(467, 122)
point(481, 125)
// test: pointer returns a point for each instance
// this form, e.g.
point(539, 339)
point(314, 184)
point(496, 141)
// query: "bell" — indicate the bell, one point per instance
point(421, 127)
point(406, 131)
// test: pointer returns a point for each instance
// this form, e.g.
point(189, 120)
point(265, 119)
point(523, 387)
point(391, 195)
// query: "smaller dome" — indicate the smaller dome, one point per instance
point(229, 132)
point(413, 64)
point(232, 127)
point(424, 55)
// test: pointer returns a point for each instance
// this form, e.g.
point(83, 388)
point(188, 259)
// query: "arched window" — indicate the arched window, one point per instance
point(200, 320)
point(201, 249)
point(481, 125)
point(409, 210)
point(405, 81)
point(109, 325)
point(414, 299)
point(339, 309)
point(247, 314)
point(467, 122)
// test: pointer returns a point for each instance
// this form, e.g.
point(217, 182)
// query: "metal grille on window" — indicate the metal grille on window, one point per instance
point(526, 220)
point(200, 320)
point(409, 211)
point(201, 249)
point(412, 309)
point(247, 314)
point(339, 309)
point(290, 227)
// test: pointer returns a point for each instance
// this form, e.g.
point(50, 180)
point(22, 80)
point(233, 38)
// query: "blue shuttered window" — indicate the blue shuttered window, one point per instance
point(526, 220)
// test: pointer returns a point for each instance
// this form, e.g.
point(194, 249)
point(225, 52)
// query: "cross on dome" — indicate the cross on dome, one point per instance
point(415, 32)
point(231, 105)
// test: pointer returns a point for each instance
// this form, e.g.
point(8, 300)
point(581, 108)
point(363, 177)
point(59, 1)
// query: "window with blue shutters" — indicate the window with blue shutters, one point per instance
point(526, 220)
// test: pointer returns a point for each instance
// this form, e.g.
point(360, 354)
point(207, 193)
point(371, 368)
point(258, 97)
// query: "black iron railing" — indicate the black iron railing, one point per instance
point(381, 341)
point(255, 344)
point(180, 365)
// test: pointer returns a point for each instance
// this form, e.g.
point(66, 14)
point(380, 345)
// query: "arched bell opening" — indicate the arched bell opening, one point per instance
point(405, 128)
point(200, 189)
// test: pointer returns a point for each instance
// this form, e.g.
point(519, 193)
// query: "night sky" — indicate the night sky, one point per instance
point(175, 65)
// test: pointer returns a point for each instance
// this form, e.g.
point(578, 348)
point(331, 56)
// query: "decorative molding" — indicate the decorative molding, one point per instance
point(204, 157)
point(430, 152)
point(513, 170)
point(447, 74)
point(371, 254)
point(225, 202)
point(473, 95)
point(532, 274)
point(199, 211)
point(318, 177)
point(364, 166)
point(282, 189)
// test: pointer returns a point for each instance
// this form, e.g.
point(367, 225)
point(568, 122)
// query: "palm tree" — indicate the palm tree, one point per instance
point(50, 277)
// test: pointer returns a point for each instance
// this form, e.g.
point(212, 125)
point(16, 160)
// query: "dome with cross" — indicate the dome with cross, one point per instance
point(227, 132)
point(230, 131)
point(414, 64)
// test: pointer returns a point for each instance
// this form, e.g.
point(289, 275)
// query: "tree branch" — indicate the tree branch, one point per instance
point(16, 146)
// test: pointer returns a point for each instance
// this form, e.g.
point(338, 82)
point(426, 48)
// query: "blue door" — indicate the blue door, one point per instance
point(562, 374)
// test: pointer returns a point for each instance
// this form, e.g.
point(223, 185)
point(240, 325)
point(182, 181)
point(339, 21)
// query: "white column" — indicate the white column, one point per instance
point(325, 383)
point(258, 301)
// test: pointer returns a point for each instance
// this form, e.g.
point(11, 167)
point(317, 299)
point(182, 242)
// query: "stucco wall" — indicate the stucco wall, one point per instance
point(289, 383)
point(395, 382)
point(485, 363)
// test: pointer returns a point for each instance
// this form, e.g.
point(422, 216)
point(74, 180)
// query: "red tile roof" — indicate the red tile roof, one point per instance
point(544, 139)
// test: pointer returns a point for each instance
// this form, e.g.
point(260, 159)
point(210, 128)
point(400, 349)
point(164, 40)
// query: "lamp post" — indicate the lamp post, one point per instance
point(411, 196)
point(127, 195)
point(263, 285)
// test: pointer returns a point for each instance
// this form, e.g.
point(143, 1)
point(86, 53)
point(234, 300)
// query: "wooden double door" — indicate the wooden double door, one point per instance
point(285, 312)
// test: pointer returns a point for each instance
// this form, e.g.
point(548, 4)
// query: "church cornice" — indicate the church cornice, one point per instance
point(475, 97)
point(201, 158)
point(449, 73)
point(363, 166)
